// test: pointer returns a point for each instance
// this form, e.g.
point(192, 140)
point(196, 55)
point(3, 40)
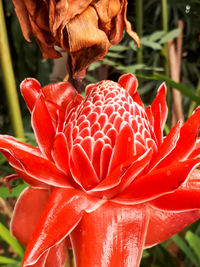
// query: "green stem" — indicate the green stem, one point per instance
point(139, 28)
point(8, 79)
point(165, 51)
point(165, 29)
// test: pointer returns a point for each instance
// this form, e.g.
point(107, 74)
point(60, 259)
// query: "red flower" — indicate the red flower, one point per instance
point(102, 174)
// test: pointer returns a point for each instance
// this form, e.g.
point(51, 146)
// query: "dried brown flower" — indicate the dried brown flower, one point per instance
point(84, 28)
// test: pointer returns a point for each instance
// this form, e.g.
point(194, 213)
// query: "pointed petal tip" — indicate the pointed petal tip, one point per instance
point(163, 88)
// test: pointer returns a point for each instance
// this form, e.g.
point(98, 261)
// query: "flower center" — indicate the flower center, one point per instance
point(97, 122)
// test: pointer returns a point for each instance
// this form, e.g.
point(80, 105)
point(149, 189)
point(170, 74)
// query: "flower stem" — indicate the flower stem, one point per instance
point(9, 80)
point(139, 27)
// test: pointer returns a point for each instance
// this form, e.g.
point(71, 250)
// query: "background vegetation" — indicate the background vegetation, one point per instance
point(158, 24)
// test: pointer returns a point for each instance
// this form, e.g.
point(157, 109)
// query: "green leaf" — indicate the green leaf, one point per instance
point(114, 55)
point(109, 62)
point(94, 65)
point(8, 238)
point(90, 78)
point(2, 159)
point(133, 68)
point(170, 35)
point(184, 247)
point(156, 35)
point(4, 193)
point(145, 254)
point(180, 87)
point(118, 48)
point(133, 45)
point(194, 242)
point(5, 260)
point(149, 43)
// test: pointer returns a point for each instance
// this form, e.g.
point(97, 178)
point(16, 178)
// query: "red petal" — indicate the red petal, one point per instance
point(28, 220)
point(82, 169)
point(9, 144)
point(112, 235)
point(186, 197)
point(98, 146)
point(43, 127)
point(57, 256)
point(60, 152)
point(30, 89)
point(149, 113)
point(129, 82)
point(168, 145)
point(124, 148)
point(164, 224)
point(120, 182)
point(61, 93)
point(186, 142)
point(134, 170)
point(196, 151)
point(64, 210)
point(137, 99)
point(160, 100)
point(157, 183)
point(104, 160)
point(158, 130)
point(26, 216)
point(29, 160)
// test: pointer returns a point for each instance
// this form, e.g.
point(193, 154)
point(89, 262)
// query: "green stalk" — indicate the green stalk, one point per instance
point(9, 80)
point(165, 29)
point(165, 53)
point(139, 28)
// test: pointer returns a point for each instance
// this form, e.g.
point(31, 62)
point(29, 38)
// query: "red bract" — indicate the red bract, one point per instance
point(102, 174)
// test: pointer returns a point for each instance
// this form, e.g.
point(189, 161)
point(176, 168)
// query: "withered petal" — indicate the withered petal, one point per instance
point(107, 10)
point(87, 43)
point(23, 18)
point(61, 12)
point(129, 28)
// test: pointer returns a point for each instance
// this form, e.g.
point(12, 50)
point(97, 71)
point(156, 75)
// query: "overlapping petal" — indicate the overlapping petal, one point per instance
point(157, 183)
point(63, 211)
point(44, 132)
point(29, 160)
point(103, 173)
point(164, 224)
point(187, 140)
point(24, 223)
point(108, 237)
point(186, 197)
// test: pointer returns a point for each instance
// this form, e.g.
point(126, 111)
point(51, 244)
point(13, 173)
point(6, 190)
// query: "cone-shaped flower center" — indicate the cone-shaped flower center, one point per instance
point(97, 122)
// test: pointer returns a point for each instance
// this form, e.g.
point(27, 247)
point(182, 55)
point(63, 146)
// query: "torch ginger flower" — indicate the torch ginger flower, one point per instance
point(102, 174)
